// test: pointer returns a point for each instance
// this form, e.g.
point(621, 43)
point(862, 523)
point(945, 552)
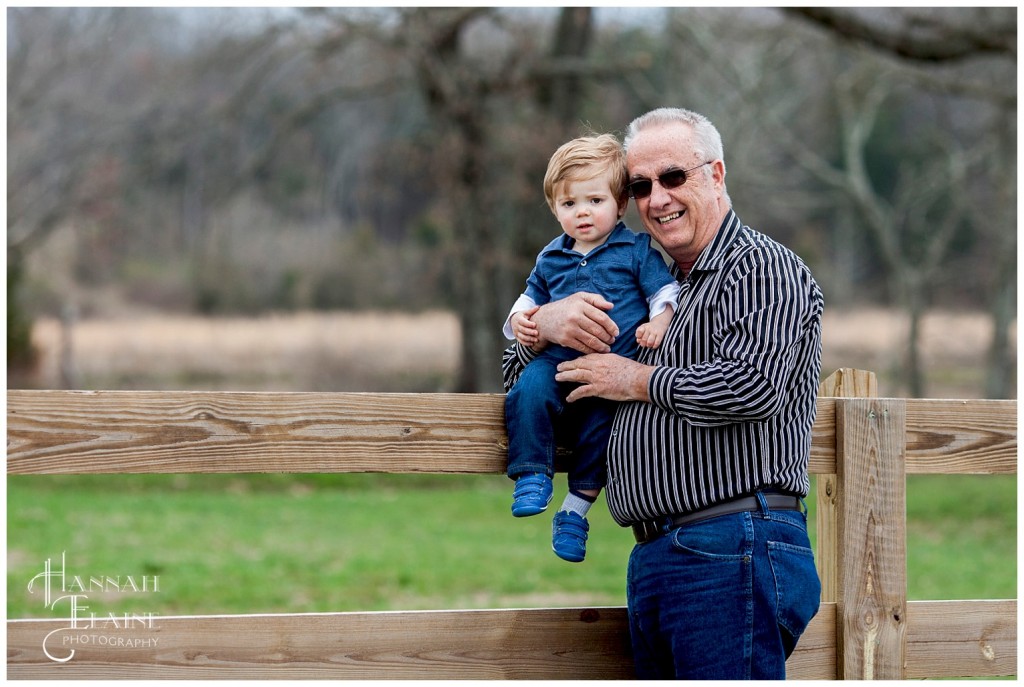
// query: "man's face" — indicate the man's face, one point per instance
point(682, 219)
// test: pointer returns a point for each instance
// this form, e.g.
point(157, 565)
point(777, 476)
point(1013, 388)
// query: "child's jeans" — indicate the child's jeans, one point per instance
point(539, 420)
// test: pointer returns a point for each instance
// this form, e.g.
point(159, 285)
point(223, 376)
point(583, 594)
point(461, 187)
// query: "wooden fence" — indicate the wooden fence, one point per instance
point(863, 448)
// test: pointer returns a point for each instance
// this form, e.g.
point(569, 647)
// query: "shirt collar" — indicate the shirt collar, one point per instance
point(714, 254)
point(620, 234)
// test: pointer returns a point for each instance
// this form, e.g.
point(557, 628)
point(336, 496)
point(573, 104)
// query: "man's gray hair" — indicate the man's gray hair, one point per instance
point(707, 142)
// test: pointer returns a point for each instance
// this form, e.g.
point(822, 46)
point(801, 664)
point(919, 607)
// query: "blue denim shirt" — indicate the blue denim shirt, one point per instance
point(625, 269)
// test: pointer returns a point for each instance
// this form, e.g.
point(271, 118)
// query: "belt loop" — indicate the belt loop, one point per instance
point(763, 503)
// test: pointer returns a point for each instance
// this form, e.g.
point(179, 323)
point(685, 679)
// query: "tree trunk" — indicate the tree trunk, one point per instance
point(999, 380)
point(475, 238)
point(913, 369)
point(458, 96)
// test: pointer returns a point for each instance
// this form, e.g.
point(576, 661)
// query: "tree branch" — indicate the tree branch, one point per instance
point(919, 38)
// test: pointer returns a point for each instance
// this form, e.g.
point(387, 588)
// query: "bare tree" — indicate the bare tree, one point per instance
point(983, 42)
point(374, 127)
point(912, 198)
point(53, 138)
point(992, 211)
point(915, 222)
point(461, 98)
point(458, 96)
point(62, 134)
point(925, 35)
point(465, 86)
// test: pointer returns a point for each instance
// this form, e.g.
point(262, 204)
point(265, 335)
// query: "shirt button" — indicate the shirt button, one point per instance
point(583, 264)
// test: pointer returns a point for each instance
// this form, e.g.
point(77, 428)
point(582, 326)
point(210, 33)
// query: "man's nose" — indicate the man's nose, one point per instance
point(659, 194)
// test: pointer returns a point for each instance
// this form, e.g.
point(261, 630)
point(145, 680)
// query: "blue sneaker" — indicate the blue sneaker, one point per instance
point(531, 495)
point(569, 536)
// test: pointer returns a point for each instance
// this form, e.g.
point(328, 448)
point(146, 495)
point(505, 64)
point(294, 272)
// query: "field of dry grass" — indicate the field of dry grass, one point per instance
point(407, 352)
point(287, 352)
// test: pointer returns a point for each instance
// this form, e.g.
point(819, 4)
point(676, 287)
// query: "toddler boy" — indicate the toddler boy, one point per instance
point(585, 187)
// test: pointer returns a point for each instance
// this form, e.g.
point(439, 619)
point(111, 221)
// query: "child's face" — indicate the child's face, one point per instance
point(587, 211)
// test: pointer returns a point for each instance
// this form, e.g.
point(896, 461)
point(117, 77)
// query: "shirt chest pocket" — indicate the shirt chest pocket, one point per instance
point(612, 276)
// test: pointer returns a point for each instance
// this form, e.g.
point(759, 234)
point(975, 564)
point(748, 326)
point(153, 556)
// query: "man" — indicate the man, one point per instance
point(709, 449)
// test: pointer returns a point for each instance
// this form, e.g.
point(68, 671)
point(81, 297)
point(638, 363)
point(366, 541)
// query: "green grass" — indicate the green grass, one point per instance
point(314, 543)
point(266, 544)
point(962, 537)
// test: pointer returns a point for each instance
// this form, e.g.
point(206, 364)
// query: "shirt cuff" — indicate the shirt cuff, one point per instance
point(524, 354)
point(660, 387)
point(524, 302)
point(664, 297)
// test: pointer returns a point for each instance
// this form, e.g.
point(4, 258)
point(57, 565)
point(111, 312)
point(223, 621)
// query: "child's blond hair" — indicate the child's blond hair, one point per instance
point(585, 158)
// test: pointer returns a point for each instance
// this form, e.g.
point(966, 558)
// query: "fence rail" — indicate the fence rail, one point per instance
point(54, 432)
point(862, 449)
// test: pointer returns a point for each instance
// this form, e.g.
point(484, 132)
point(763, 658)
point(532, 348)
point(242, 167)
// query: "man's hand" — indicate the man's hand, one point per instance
point(578, 321)
point(608, 376)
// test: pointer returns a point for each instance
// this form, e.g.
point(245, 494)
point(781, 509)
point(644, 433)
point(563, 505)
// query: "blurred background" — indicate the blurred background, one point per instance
point(350, 199)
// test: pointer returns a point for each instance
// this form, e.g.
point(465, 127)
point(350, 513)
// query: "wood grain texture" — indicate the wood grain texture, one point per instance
point(504, 644)
point(489, 644)
point(227, 432)
point(55, 432)
point(944, 639)
point(961, 437)
point(862, 448)
point(848, 383)
point(871, 566)
point(976, 638)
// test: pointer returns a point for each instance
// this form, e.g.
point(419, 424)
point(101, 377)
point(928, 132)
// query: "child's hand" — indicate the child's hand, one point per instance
point(524, 329)
point(651, 334)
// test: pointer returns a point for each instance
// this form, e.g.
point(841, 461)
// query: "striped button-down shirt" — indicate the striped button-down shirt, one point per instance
point(733, 392)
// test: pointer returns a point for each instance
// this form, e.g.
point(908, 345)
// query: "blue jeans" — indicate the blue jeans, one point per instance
point(539, 420)
point(723, 598)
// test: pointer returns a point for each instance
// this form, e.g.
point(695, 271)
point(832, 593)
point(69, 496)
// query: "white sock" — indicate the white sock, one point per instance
point(577, 503)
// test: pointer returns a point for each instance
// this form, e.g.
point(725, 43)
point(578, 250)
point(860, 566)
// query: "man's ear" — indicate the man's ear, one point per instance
point(718, 171)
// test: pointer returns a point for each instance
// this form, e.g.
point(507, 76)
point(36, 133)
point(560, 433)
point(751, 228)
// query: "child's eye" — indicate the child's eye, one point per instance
point(568, 204)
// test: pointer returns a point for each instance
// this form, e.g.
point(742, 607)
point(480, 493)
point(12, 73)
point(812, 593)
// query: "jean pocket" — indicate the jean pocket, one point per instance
point(796, 584)
point(722, 538)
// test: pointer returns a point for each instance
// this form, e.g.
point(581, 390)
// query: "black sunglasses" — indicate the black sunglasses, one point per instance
point(674, 178)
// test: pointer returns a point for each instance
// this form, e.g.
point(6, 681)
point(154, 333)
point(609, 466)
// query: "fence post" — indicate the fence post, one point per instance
point(870, 585)
point(850, 383)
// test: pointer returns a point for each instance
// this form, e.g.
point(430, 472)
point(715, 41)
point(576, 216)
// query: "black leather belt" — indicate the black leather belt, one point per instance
point(652, 529)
